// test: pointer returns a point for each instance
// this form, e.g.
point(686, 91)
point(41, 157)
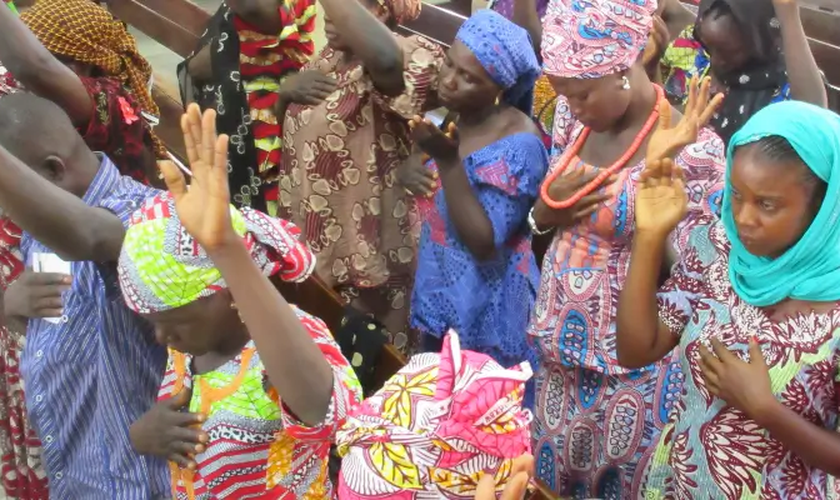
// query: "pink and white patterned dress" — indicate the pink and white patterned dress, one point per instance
point(595, 421)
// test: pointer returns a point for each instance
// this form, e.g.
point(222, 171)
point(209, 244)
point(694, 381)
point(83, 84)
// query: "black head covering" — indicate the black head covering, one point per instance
point(753, 87)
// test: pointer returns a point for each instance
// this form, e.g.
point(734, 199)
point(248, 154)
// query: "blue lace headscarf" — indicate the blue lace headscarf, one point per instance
point(506, 53)
point(810, 270)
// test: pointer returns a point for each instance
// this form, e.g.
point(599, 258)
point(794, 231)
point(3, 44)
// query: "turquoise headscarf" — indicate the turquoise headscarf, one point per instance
point(810, 270)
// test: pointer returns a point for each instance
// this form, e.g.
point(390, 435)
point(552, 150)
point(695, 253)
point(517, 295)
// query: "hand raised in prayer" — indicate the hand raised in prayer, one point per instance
point(661, 200)
point(442, 147)
point(203, 206)
point(743, 385)
point(168, 432)
point(669, 139)
point(516, 486)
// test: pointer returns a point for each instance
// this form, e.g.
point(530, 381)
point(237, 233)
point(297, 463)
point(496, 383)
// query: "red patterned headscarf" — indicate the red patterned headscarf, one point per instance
point(590, 39)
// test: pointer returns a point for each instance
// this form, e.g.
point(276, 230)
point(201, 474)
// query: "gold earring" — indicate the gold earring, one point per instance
point(498, 99)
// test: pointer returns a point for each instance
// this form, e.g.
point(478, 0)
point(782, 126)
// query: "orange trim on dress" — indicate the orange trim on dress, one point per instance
point(209, 395)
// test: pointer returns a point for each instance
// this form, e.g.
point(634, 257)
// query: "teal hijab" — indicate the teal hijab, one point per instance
point(810, 270)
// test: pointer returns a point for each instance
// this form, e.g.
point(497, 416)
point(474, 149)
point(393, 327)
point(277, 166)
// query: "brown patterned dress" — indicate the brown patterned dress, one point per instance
point(338, 176)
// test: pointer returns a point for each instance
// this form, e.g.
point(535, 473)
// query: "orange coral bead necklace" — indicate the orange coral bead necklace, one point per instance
point(572, 152)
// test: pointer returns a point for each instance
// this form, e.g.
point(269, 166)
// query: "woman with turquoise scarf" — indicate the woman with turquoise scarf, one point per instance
point(754, 307)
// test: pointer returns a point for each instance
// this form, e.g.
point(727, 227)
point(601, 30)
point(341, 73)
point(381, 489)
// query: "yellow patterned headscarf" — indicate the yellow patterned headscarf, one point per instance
point(435, 427)
point(85, 32)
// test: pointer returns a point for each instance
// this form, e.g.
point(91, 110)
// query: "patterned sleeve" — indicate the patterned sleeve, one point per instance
point(508, 187)
point(422, 60)
point(564, 125)
point(347, 392)
point(677, 299)
point(704, 165)
point(116, 126)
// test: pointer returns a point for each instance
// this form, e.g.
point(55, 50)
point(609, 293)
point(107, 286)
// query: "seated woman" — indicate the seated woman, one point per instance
point(476, 272)
point(755, 50)
point(436, 426)
point(248, 49)
point(754, 308)
point(265, 380)
point(345, 133)
point(74, 53)
point(595, 421)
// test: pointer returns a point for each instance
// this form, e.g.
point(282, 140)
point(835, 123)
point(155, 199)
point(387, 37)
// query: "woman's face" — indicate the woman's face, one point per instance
point(464, 83)
point(772, 205)
point(597, 103)
point(725, 44)
point(199, 327)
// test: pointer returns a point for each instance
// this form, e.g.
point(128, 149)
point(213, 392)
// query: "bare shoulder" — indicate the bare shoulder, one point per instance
point(515, 122)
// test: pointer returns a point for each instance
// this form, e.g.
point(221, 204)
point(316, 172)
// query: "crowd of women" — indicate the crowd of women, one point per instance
point(610, 259)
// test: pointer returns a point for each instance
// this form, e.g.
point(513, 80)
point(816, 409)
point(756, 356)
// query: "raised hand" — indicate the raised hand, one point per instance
point(203, 206)
point(661, 200)
point(431, 140)
point(516, 486)
point(668, 140)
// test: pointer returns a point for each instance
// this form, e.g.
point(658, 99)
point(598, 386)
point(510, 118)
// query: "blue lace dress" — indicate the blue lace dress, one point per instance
point(490, 302)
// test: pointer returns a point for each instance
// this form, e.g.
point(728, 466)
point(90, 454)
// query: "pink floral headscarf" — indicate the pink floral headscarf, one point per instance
point(403, 11)
point(432, 430)
point(590, 39)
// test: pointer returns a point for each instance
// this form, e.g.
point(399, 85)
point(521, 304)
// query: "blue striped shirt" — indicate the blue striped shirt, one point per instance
point(96, 371)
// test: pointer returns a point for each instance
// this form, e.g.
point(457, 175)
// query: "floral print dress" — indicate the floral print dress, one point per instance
point(709, 449)
point(338, 175)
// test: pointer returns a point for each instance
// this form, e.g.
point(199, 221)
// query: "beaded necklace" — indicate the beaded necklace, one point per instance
point(606, 173)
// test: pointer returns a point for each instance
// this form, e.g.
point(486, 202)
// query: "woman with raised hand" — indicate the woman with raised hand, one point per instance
point(753, 308)
point(595, 421)
point(255, 388)
point(755, 50)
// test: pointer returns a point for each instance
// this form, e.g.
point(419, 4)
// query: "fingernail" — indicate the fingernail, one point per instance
point(754, 339)
point(199, 449)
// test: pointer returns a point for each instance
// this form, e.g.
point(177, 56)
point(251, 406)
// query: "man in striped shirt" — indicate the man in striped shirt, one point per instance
point(92, 372)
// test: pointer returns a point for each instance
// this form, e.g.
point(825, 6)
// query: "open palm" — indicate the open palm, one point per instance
point(661, 200)
point(517, 484)
point(203, 206)
point(668, 140)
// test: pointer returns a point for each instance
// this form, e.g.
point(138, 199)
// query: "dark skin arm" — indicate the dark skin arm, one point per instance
point(806, 83)
point(641, 337)
point(468, 216)
point(56, 218)
point(40, 72)
point(295, 366)
point(471, 222)
point(370, 40)
point(261, 14)
point(200, 66)
point(817, 446)
point(525, 15)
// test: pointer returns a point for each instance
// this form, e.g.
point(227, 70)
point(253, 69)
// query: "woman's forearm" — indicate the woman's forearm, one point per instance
point(467, 214)
point(525, 15)
point(641, 338)
point(370, 41)
point(806, 83)
point(817, 446)
point(293, 362)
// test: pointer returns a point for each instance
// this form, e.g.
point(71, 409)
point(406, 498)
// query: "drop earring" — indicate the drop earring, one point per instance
point(625, 83)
